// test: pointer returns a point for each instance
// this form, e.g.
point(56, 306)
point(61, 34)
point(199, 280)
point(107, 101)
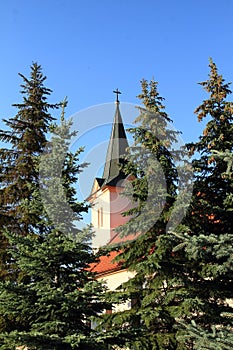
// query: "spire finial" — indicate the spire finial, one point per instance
point(117, 92)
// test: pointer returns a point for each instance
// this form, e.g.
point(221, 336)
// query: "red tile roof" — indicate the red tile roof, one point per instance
point(105, 264)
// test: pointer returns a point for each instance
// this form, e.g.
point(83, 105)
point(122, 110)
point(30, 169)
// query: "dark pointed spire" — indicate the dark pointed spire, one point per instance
point(116, 148)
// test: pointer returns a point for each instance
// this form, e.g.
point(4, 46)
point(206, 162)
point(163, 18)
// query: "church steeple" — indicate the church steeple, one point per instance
point(116, 148)
point(107, 203)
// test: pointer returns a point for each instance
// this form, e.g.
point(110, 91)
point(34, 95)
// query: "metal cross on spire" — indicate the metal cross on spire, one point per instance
point(117, 92)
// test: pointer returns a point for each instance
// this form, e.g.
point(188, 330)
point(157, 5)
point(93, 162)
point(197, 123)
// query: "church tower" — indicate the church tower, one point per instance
point(106, 199)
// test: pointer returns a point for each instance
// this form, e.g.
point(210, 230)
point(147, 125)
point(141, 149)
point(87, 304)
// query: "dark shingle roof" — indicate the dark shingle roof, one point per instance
point(116, 149)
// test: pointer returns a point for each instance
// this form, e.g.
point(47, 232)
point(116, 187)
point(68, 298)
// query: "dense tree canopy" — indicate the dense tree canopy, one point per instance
point(182, 290)
point(184, 274)
point(209, 243)
point(155, 291)
point(49, 296)
point(25, 138)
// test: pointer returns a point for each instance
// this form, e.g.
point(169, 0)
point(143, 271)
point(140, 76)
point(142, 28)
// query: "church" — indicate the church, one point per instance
point(108, 204)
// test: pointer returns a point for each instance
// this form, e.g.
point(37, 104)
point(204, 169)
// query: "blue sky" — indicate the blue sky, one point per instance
point(89, 48)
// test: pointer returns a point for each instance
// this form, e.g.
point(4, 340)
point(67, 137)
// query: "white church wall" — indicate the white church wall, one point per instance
point(113, 281)
point(100, 217)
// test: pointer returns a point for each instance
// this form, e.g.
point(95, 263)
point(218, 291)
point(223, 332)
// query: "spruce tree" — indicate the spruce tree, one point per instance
point(208, 244)
point(25, 138)
point(55, 296)
point(51, 304)
point(212, 183)
point(59, 169)
point(156, 290)
point(47, 295)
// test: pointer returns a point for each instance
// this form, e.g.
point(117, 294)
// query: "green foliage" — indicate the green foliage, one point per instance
point(179, 297)
point(157, 292)
point(26, 140)
point(25, 137)
point(213, 185)
point(208, 242)
point(59, 169)
point(51, 304)
point(50, 296)
point(218, 339)
point(184, 275)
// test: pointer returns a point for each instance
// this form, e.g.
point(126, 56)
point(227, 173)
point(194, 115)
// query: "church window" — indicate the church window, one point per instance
point(100, 217)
